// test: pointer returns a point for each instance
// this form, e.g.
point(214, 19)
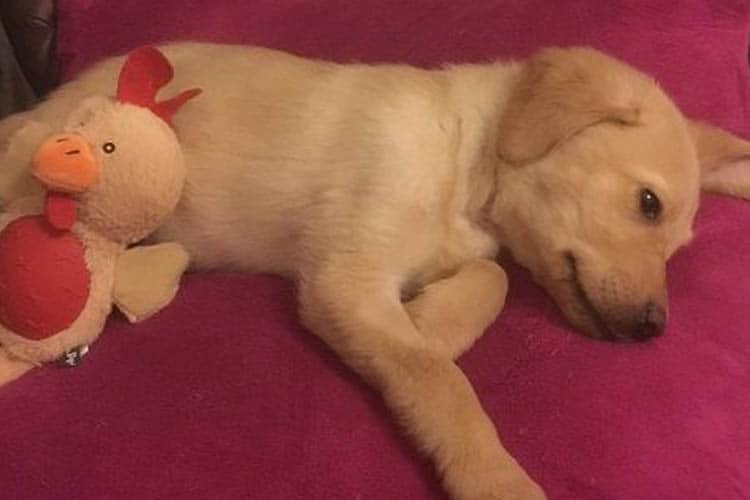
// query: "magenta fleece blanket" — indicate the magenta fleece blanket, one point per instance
point(224, 395)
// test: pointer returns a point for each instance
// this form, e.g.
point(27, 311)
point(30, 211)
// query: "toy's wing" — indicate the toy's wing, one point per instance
point(147, 279)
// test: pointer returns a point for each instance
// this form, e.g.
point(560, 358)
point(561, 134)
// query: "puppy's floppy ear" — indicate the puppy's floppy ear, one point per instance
point(724, 160)
point(560, 93)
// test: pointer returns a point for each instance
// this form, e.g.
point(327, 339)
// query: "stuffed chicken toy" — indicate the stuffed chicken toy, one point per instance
point(109, 179)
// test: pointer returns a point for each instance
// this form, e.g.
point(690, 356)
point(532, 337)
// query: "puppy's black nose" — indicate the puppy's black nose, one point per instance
point(652, 322)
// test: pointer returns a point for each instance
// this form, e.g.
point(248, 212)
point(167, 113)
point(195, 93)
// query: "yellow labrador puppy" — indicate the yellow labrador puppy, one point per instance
point(387, 191)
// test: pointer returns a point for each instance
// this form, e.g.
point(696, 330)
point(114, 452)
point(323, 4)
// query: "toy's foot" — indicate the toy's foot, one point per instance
point(12, 368)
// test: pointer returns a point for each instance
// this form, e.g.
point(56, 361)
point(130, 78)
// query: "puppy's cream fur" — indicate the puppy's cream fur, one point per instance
point(386, 192)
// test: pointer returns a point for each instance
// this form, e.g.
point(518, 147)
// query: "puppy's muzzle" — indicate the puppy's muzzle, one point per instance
point(618, 323)
point(635, 324)
point(652, 322)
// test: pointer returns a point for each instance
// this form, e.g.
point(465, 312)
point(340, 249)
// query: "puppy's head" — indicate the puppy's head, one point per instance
point(598, 186)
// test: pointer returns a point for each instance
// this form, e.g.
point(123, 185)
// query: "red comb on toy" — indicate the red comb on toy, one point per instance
point(145, 71)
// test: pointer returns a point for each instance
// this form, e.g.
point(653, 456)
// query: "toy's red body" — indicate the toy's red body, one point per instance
point(45, 280)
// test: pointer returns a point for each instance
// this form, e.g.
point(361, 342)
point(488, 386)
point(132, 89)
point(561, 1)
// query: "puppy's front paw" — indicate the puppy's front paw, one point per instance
point(520, 488)
point(523, 489)
point(499, 484)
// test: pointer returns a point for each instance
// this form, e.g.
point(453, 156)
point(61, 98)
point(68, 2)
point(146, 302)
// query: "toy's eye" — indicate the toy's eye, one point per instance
point(109, 147)
point(650, 204)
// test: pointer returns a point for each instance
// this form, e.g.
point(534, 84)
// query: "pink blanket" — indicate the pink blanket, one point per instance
point(223, 395)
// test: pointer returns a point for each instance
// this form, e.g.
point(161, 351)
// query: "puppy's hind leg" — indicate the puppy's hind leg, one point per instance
point(454, 312)
point(357, 311)
point(11, 368)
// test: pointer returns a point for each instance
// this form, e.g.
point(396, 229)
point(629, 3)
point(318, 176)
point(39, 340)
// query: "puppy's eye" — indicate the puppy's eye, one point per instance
point(109, 147)
point(650, 204)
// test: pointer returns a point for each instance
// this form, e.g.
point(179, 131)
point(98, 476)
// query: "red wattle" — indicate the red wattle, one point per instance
point(60, 210)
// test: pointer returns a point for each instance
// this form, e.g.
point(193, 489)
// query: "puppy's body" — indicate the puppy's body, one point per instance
point(336, 156)
point(369, 183)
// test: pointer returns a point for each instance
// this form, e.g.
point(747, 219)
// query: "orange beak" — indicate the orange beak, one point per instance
point(66, 163)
